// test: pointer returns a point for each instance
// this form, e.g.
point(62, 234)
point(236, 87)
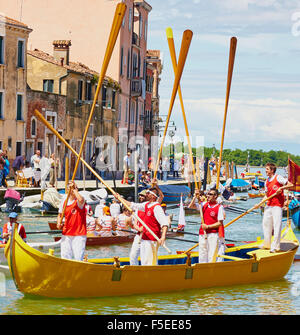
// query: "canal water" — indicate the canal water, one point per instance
point(273, 298)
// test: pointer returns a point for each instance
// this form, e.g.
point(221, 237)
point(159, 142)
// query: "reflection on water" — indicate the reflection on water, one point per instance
point(270, 298)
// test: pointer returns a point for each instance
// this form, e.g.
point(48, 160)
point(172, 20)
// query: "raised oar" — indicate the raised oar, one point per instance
point(233, 43)
point(174, 63)
point(56, 133)
point(175, 67)
point(185, 45)
point(117, 22)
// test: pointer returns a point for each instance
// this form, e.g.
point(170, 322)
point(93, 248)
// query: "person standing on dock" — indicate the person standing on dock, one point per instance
point(74, 230)
point(272, 219)
point(211, 232)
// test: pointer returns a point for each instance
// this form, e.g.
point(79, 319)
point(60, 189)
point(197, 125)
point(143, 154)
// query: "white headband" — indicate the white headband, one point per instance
point(152, 193)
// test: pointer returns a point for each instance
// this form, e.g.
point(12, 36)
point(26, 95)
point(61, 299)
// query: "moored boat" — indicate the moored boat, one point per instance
point(172, 193)
point(256, 195)
point(39, 274)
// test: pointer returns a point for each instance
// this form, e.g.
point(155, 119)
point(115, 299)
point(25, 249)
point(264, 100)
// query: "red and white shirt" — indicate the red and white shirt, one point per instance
point(271, 186)
point(75, 219)
point(212, 213)
point(154, 218)
point(7, 228)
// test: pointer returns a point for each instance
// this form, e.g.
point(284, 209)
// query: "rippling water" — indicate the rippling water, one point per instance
point(280, 297)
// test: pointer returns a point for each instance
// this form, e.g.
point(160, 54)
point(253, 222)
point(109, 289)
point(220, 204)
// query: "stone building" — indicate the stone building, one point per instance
point(13, 73)
point(56, 74)
point(89, 40)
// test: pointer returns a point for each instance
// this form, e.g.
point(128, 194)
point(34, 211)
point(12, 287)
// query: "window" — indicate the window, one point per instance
point(40, 147)
point(122, 61)
point(113, 99)
point(123, 22)
point(80, 85)
point(1, 105)
point(146, 30)
point(128, 64)
point(103, 96)
point(18, 148)
point(21, 53)
point(134, 66)
point(130, 19)
point(88, 91)
point(120, 110)
point(33, 127)
point(19, 107)
point(1, 50)
point(48, 85)
point(126, 112)
point(141, 26)
point(132, 112)
point(1, 145)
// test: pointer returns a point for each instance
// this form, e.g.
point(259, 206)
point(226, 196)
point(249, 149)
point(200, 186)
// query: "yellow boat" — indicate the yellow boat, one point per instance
point(40, 274)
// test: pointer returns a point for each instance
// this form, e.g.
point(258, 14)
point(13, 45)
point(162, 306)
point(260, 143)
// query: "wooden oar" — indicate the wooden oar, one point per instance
point(174, 63)
point(256, 206)
point(185, 45)
point(117, 22)
point(44, 232)
point(233, 43)
point(175, 68)
point(56, 133)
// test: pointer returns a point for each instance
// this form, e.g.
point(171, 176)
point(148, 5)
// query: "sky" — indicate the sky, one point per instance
point(264, 104)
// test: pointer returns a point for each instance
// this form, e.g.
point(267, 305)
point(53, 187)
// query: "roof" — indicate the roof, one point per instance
point(73, 66)
point(12, 22)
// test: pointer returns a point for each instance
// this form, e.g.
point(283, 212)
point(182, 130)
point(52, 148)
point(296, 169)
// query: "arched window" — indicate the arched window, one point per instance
point(33, 127)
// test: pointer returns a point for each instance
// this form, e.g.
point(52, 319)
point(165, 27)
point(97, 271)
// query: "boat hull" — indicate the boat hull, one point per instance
point(40, 274)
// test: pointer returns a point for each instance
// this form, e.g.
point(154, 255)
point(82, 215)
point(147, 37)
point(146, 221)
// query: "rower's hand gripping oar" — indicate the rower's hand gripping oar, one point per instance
point(56, 133)
point(116, 25)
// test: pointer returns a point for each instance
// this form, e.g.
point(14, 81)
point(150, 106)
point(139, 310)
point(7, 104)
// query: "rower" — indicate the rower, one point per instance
point(124, 222)
point(157, 221)
point(213, 217)
point(7, 228)
point(272, 219)
point(74, 231)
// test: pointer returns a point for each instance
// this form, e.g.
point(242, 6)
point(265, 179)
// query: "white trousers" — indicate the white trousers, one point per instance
point(222, 248)
point(207, 247)
point(135, 250)
point(272, 221)
point(73, 247)
point(149, 251)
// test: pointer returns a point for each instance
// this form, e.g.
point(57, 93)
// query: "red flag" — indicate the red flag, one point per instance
point(294, 175)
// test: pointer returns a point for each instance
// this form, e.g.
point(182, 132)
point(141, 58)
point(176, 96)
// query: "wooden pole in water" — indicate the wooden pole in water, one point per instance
point(233, 43)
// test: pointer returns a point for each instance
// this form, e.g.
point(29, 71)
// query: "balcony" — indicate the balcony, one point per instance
point(136, 87)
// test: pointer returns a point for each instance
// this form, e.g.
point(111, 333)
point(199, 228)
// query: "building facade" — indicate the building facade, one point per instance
point(128, 62)
point(13, 73)
point(56, 75)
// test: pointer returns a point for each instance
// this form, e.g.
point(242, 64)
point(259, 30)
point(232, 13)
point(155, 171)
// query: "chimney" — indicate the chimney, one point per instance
point(61, 51)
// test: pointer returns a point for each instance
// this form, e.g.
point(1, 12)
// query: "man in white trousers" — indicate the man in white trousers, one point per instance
point(272, 219)
point(74, 230)
point(210, 232)
point(156, 220)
